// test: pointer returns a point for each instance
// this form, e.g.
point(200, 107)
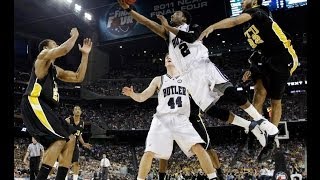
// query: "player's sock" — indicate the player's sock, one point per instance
point(219, 171)
point(239, 121)
point(162, 176)
point(75, 176)
point(212, 175)
point(253, 112)
point(44, 172)
point(62, 173)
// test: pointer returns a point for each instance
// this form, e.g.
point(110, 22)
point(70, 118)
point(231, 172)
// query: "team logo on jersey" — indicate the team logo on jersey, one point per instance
point(281, 176)
point(118, 21)
point(179, 81)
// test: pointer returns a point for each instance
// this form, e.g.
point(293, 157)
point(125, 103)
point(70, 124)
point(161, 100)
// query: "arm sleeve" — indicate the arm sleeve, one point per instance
point(192, 35)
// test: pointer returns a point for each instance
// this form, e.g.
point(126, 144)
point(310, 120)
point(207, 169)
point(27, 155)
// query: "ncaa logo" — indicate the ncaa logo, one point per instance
point(118, 22)
point(281, 176)
point(179, 81)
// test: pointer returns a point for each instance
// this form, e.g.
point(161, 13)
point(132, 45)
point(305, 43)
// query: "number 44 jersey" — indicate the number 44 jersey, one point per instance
point(186, 55)
point(173, 97)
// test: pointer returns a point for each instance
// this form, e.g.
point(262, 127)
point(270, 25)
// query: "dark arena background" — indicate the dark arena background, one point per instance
point(126, 53)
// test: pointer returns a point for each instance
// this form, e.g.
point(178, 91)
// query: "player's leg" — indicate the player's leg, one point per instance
point(75, 162)
point(163, 166)
point(205, 161)
point(196, 118)
point(278, 76)
point(190, 142)
point(75, 169)
point(259, 96)
point(159, 144)
point(145, 165)
point(221, 84)
point(198, 84)
point(65, 158)
point(231, 118)
point(49, 158)
point(43, 124)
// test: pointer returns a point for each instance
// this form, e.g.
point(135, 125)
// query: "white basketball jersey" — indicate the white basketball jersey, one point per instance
point(173, 97)
point(186, 55)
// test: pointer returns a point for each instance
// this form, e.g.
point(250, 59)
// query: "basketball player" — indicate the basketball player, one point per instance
point(199, 126)
point(77, 123)
point(42, 96)
point(203, 80)
point(279, 58)
point(170, 122)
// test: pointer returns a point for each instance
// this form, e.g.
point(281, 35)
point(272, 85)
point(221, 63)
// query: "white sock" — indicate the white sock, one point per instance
point(239, 121)
point(75, 177)
point(212, 175)
point(253, 113)
point(66, 177)
point(139, 178)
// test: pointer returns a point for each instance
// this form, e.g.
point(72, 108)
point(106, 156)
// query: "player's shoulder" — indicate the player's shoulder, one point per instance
point(157, 78)
point(194, 25)
point(195, 28)
point(156, 81)
point(42, 54)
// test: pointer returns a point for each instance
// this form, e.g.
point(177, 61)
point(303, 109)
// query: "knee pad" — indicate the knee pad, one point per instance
point(219, 113)
point(235, 96)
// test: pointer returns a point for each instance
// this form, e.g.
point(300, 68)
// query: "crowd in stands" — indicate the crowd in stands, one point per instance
point(124, 166)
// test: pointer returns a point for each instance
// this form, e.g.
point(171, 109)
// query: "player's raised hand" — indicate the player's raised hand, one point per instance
point(163, 20)
point(87, 145)
point(123, 4)
point(205, 33)
point(86, 47)
point(127, 91)
point(246, 76)
point(74, 32)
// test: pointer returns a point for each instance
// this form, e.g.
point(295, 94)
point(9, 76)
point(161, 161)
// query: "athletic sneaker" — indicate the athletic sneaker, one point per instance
point(276, 139)
point(268, 127)
point(267, 151)
point(220, 174)
point(258, 132)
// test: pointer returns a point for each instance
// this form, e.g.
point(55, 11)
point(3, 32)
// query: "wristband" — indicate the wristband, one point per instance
point(128, 9)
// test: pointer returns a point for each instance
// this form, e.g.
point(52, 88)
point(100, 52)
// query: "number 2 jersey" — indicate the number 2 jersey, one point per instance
point(187, 55)
point(173, 97)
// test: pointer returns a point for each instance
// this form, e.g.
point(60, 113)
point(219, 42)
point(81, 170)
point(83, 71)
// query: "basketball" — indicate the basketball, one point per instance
point(130, 2)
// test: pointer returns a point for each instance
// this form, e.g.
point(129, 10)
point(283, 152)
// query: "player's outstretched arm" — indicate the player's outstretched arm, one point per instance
point(144, 95)
point(63, 49)
point(225, 23)
point(78, 76)
point(152, 25)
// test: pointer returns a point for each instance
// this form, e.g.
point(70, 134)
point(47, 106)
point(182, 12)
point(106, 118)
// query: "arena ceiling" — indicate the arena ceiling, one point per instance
point(34, 19)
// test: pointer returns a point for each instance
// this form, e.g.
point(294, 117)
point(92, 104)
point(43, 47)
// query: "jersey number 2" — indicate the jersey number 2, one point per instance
point(173, 104)
point(184, 49)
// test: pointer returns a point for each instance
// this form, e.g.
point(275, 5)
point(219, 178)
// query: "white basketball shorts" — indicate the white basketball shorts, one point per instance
point(200, 81)
point(165, 129)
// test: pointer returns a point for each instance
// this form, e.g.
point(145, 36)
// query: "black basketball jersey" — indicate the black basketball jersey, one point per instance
point(46, 89)
point(264, 34)
point(79, 127)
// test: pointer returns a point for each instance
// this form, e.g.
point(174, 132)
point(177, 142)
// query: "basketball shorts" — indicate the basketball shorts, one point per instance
point(274, 73)
point(42, 122)
point(76, 154)
point(200, 81)
point(165, 129)
point(199, 126)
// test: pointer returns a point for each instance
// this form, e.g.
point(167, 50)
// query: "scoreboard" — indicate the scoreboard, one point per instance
point(236, 8)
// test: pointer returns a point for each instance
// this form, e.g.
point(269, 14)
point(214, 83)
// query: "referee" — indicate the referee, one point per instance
point(35, 152)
